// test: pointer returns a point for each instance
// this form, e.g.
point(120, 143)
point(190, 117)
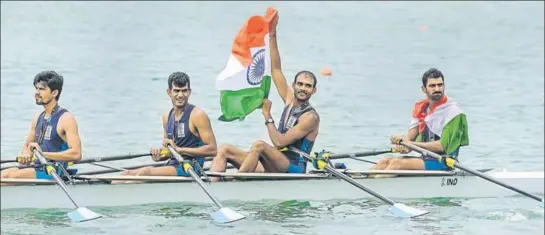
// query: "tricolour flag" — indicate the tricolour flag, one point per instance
point(446, 120)
point(246, 79)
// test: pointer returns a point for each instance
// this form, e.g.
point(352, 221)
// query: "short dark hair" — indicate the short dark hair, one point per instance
point(180, 79)
point(307, 74)
point(53, 80)
point(432, 73)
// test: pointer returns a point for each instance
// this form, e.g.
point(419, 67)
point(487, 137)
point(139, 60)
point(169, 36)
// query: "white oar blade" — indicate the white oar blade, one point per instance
point(402, 210)
point(226, 215)
point(82, 214)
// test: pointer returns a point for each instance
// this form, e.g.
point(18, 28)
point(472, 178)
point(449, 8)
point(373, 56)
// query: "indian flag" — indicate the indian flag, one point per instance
point(246, 79)
point(446, 120)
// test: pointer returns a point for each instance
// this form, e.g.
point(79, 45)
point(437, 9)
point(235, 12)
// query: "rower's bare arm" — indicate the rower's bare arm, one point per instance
point(307, 123)
point(165, 122)
point(30, 136)
point(70, 128)
point(278, 77)
point(204, 128)
point(411, 134)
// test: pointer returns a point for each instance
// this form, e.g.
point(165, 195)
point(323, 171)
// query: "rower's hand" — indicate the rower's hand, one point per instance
point(34, 145)
point(266, 108)
point(400, 149)
point(25, 159)
point(273, 24)
point(167, 142)
point(156, 154)
point(396, 139)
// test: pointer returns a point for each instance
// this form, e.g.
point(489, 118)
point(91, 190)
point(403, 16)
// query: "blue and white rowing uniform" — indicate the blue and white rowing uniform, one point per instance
point(289, 119)
point(182, 136)
point(50, 141)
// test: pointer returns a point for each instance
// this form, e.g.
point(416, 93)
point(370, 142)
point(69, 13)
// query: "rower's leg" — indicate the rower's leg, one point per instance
point(406, 164)
point(272, 159)
point(382, 164)
point(227, 153)
point(26, 173)
point(128, 172)
point(403, 164)
point(159, 171)
point(149, 170)
point(5, 173)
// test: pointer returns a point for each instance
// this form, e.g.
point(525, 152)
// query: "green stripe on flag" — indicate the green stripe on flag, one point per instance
point(236, 105)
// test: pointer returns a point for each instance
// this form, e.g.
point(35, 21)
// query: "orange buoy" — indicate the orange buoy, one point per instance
point(326, 71)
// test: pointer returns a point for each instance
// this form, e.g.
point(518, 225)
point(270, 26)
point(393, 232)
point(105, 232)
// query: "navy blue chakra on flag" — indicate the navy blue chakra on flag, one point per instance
point(255, 73)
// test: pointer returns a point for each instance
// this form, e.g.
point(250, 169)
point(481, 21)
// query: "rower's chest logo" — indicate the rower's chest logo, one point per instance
point(180, 132)
point(291, 122)
point(47, 134)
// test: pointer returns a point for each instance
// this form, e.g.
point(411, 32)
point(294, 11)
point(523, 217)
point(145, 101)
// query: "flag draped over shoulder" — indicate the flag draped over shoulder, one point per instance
point(445, 119)
point(246, 79)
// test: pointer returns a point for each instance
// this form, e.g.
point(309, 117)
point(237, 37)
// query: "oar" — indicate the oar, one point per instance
point(7, 161)
point(112, 158)
point(110, 170)
point(452, 163)
point(81, 213)
point(109, 167)
point(90, 160)
point(97, 159)
point(397, 209)
point(373, 152)
point(224, 214)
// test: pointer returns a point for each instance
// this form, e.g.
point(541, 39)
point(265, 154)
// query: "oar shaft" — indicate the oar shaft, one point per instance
point(112, 158)
point(60, 182)
point(353, 182)
point(195, 177)
point(7, 161)
point(98, 172)
point(360, 154)
point(202, 185)
point(109, 167)
point(438, 157)
point(346, 178)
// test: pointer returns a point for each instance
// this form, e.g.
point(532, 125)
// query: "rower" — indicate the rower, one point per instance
point(298, 126)
point(54, 132)
point(438, 125)
point(186, 128)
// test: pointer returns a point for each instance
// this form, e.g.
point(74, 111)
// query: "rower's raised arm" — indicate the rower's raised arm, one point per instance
point(276, 66)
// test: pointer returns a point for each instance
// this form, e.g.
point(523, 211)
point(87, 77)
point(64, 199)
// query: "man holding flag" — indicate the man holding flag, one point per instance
point(298, 125)
point(438, 125)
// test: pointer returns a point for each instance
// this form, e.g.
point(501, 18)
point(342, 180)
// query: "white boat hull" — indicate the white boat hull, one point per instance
point(92, 195)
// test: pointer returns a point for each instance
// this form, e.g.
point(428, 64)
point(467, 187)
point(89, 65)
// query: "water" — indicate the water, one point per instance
point(116, 56)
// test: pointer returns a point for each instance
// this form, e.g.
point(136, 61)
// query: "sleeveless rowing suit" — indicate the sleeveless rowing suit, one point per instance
point(431, 163)
point(182, 136)
point(49, 140)
point(289, 119)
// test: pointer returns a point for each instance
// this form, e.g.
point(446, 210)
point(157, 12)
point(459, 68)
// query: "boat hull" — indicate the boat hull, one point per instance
point(106, 195)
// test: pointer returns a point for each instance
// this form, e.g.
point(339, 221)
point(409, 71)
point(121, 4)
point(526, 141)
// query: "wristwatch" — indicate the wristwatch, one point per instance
point(270, 120)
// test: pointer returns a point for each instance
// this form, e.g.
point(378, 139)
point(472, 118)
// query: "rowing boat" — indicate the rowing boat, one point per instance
point(97, 190)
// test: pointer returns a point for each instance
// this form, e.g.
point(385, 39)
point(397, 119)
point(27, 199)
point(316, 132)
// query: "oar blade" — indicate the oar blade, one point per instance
point(82, 214)
point(404, 211)
point(226, 215)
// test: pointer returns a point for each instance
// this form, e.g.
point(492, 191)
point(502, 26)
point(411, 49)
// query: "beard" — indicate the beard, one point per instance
point(42, 101)
point(436, 96)
point(300, 92)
